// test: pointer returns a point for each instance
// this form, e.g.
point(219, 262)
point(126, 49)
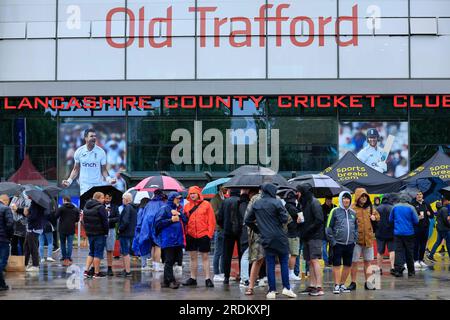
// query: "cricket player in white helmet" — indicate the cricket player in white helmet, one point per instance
point(90, 165)
point(372, 154)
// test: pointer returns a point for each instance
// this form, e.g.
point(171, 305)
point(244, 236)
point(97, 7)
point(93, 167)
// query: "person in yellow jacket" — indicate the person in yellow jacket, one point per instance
point(366, 215)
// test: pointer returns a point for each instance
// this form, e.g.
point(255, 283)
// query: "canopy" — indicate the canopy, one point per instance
point(430, 177)
point(27, 174)
point(438, 166)
point(350, 172)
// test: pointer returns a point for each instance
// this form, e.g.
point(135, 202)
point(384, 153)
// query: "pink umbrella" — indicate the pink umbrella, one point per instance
point(160, 182)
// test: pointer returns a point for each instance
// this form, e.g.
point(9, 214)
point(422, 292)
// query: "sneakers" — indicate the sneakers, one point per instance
point(218, 277)
point(367, 287)
point(244, 284)
point(423, 264)
point(56, 250)
point(124, 274)
point(417, 265)
point(226, 281)
point(343, 289)
point(174, 285)
point(158, 267)
point(431, 258)
point(209, 283)
point(87, 275)
point(178, 269)
point(271, 295)
point(146, 269)
point(32, 269)
point(293, 277)
point(262, 282)
point(99, 275)
point(288, 293)
point(317, 292)
point(307, 290)
point(42, 260)
point(337, 289)
point(50, 259)
point(352, 286)
point(190, 283)
point(110, 273)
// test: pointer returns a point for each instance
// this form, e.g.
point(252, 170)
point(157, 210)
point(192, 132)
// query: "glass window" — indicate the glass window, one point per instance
point(383, 110)
point(247, 107)
point(214, 106)
point(306, 145)
point(430, 8)
point(147, 103)
point(151, 146)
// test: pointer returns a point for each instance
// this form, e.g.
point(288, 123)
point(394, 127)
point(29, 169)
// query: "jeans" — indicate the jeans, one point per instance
point(17, 245)
point(245, 266)
point(31, 247)
point(66, 241)
point(228, 248)
point(325, 251)
point(270, 260)
point(171, 255)
point(404, 247)
point(420, 244)
point(297, 261)
point(441, 235)
point(144, 260)
point(4, 255)
point(49, 237)
point(218, 263)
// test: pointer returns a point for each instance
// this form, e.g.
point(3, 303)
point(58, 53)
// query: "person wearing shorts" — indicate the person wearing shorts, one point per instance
point(342, 233)
point(127, 226)
point(312, 233)
point(113, 219)
point(95, 220)
point(366, 214)
point(292, 231)
point(200, 230)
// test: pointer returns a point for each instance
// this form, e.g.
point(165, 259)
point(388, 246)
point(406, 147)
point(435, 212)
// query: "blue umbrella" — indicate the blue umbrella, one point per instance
point(212, 187)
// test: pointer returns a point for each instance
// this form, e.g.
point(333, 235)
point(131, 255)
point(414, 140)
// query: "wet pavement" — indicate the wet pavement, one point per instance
point(54, 282)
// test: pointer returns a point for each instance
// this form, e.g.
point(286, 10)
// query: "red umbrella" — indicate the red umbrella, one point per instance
point(159, 182)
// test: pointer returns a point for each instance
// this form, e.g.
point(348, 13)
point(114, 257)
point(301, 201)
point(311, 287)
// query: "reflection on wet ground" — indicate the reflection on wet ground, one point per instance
point(56, 282)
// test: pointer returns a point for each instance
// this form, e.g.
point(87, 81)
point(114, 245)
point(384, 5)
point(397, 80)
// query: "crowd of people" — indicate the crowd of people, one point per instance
point(265, 228)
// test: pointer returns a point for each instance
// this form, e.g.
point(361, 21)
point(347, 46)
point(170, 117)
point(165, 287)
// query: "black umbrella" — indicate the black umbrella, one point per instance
point(255, 180)
point(10, 188)
point(323, 186)
point(115, 193)
point(40, 197)
point(52, 191)
point(251, 169)
point(445, 192)
point(283, 190)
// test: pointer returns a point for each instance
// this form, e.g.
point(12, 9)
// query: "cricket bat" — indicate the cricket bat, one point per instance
point(387, 147)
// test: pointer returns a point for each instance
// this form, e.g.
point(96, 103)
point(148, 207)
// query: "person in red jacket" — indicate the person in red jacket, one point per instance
point(200, 230)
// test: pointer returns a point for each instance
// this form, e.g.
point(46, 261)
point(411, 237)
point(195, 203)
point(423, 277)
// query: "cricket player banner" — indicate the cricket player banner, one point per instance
point(383, 146)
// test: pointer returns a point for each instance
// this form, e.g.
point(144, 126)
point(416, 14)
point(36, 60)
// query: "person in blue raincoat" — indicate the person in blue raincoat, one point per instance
point(170, 226)
point(135, 245)
point(147, 237)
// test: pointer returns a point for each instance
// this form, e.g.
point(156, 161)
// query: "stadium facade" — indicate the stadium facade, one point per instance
point(304, 68)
